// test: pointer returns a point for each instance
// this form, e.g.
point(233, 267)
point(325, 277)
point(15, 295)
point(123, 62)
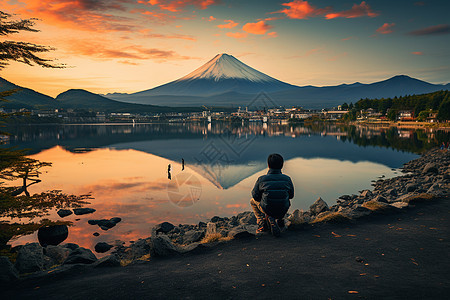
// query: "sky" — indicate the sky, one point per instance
point(133, 45)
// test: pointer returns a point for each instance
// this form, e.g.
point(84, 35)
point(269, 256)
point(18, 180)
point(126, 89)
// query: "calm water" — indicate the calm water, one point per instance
point(125, 168)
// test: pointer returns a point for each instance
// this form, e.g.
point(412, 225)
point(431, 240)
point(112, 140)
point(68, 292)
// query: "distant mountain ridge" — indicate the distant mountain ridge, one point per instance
point(226, 81)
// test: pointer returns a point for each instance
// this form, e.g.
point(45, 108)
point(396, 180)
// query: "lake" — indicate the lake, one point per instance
point(125, 168)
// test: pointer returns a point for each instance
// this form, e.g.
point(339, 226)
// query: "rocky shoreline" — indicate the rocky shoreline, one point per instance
point(425, 179)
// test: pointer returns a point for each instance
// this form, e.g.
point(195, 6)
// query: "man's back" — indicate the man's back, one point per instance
point(273, 191)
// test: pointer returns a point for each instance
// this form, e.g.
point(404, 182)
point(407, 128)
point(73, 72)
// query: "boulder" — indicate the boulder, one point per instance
point(380, 198)
point(102, 247)
point(241, 233)
point(30, 258)
point(83, 211)
point(318, 206)
point(71, 246)
point(138, 249)
point(57, 253)
point(299, 218)
point(411, 187)
point(162, 246)
point(7, 271)
point(105, 224)
point(216, 219)
point(211, 228)
point(52, 235)
point(164, 227)
point(247, 218)
point(108, 261)
point(431, 168)
point(64, 212)
point(80, 256)
point(356, 212)
point(366, 194)
point(193, 236)
point(399, 205)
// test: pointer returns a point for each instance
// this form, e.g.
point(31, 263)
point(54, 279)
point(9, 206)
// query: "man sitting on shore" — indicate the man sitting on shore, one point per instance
point(271, 196)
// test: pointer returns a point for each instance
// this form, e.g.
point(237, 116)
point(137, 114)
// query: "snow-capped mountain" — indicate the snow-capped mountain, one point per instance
point(222, 74)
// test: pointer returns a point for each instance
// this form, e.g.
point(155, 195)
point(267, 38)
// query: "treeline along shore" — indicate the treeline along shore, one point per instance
point(426, 179)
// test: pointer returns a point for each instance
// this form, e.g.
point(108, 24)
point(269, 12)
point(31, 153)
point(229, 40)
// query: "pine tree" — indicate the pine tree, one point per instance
point(23, 52)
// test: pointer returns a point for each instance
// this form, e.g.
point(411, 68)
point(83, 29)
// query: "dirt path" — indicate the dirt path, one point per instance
point(404, 256)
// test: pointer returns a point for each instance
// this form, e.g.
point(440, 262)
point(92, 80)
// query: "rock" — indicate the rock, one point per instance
point(201, 224)
point(430, 168)
point(193, 236)
point(57, 253)
point(164, 227)
point(399, 205)
point(194, 247)
point(30, 258)
point(380, 198)
point(162, 246)
point(366, 193)
point(105, 224)
point(247, 218)
point(241, 233)
point(411, 187)
point(96, 234)
point(356, 212)
point(108, 261)
point(318, 206)
point(115, 219)
point(138, 249)
point(64, 212)
point(52, 235)
point(216, 219)
point(7, 271)
point(83, 211)
point(71, 246)
point(102, 247)
point(80, 256)
point(346, 197)
point(392, 192)
point(211, 228)
point(299, 218)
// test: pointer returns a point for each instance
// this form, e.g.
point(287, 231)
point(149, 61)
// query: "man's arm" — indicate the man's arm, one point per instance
point(256, 194)
point(291, 189)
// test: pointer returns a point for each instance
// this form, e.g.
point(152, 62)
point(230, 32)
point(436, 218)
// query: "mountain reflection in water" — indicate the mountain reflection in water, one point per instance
point(125, 168)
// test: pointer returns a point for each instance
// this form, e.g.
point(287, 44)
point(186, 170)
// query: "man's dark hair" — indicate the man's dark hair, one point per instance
point(275, 161)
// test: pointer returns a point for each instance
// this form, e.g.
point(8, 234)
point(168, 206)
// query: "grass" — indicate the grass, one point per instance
point(332, 217)
point(419, 198)
point(215, 237)
point(375, 205)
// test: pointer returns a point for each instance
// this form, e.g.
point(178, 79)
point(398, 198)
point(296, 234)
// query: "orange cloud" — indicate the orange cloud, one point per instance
point(358, 10)
point(211, 18)
point(229, 24)
point(386, 28)
point(299, 9)
point(272, 34)
point(177, 5)
point(257, 28)
point(348, 38)
point(237, 35)
point(132, 52)
point(81, 14)
point(417, 53)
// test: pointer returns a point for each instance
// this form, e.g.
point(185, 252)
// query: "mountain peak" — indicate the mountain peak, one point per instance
point(226, 66)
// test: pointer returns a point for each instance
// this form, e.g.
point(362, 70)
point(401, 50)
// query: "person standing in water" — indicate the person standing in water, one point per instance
point(168, 172)
point(182, 164)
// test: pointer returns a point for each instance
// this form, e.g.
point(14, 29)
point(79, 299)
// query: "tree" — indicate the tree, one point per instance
point(13, 163)
point(23, 52)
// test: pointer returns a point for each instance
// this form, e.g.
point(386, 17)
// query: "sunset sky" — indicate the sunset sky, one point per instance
point(133, 45)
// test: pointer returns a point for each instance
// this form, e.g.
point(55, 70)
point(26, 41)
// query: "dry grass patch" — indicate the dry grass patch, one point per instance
point(375, 205)
point(332, 217)
point(419, 198)
point(215, 237)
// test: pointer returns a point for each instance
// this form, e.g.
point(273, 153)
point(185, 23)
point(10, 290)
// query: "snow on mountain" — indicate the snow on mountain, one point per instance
point(222, 74)
point(225, 66)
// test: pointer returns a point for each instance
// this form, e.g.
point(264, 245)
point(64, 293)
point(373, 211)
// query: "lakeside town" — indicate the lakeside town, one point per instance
point(279, 115)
